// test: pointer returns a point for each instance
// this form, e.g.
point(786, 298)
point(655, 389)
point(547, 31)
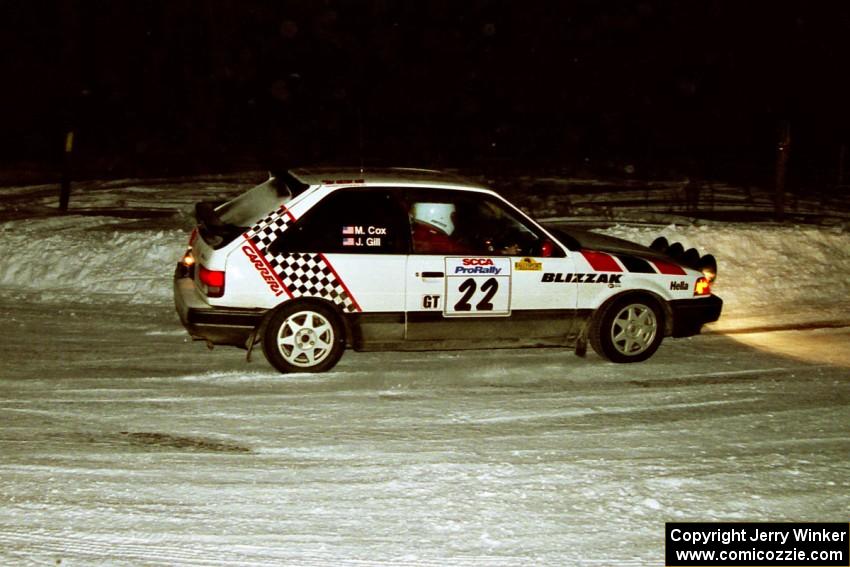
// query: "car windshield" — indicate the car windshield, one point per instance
point(248, 207)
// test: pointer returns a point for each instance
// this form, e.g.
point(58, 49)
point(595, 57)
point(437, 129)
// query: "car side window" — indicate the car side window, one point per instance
point(453, 222)
point(349, 221)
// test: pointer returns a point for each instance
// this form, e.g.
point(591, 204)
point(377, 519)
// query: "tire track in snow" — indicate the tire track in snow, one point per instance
point(109, 547)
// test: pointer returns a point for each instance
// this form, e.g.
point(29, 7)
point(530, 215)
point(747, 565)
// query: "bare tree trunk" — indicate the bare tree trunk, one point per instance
point(65, 191)
point(71, 91)
point(782, 151)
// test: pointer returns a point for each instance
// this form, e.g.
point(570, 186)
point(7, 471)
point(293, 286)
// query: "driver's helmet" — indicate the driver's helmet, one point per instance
point(437, 215)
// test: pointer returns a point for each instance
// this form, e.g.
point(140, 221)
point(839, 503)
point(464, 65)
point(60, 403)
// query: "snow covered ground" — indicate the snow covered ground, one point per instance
point(123, 442)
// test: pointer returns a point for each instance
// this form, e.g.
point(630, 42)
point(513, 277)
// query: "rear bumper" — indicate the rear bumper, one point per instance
point(217, 325)
point(689, 315)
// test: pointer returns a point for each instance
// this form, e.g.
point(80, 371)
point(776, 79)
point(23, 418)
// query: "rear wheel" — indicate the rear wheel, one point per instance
point(629, 329)
point(304, 338)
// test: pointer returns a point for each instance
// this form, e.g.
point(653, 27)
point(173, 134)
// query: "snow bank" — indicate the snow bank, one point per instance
point(88, 260)
point(768, 274)
point(121, 247)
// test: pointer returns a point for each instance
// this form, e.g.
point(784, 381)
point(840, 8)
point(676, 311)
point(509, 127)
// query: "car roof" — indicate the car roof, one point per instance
point(388, 176)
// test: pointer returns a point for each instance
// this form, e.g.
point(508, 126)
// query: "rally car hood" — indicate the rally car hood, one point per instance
point(577, 239)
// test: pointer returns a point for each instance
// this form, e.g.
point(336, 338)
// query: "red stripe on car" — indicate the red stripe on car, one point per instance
point(288, 213)
point(342, 283)
point(601, 262)
point(668, 268)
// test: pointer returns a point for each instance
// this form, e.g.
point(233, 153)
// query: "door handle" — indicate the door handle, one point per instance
point(433, 275)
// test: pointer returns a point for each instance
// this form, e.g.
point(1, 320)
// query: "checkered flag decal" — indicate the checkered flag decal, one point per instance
point(269, 229)
point(310, 275)
point(302, 274)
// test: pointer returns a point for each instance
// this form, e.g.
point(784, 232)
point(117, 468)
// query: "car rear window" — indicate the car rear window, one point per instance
point(250, 206)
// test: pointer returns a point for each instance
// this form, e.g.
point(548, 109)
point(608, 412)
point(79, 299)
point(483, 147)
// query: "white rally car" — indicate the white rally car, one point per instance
point(314, 260)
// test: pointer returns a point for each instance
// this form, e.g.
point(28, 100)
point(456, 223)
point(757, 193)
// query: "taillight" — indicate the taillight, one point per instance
point(213, 280)
point(702, 287)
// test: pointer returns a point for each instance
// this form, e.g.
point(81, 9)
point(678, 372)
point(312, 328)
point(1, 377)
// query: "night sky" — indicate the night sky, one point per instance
point(667, 88)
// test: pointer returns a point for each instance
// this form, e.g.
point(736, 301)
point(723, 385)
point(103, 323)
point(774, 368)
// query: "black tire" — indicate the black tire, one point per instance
point(304, 337)
point(628, 329)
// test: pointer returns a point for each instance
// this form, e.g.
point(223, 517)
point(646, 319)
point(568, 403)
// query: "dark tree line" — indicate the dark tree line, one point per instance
point(659, 85)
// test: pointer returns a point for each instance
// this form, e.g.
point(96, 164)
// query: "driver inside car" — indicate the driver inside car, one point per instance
point(438, 228)
point(433, 229)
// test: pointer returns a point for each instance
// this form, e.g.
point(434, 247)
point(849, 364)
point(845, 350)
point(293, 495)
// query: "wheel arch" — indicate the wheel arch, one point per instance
point(662, 303)
point(307, 302)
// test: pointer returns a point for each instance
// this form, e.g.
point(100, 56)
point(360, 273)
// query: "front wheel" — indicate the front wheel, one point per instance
point(304, 338)
point(627, 330)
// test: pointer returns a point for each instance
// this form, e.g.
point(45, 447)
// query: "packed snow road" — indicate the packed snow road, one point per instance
point(122, 442)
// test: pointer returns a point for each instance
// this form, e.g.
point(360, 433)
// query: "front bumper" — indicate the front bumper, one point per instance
point(216, 325)
point(689, 315)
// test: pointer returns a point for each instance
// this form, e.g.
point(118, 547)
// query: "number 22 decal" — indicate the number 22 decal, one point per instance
point(468, 287)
